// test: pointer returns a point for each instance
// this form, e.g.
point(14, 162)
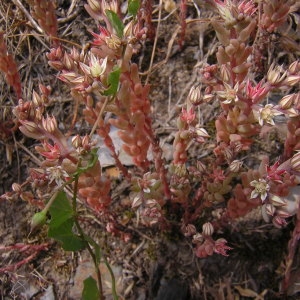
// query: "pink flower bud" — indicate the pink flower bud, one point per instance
point(279, 222)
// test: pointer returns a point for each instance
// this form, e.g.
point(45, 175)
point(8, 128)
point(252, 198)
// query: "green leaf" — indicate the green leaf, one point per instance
point(90, 289)
point(62, 222)
point(90, 164)
point(64, 233)
point(60, 210)
point(115, 22)
point(113, 81)
point(133, 7)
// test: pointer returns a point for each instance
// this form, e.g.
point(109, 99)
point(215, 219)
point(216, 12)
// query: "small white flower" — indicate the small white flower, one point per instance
point(261, 189)
point(57, 174)
point(97, 68)
point(266, 114)
point(229, 94)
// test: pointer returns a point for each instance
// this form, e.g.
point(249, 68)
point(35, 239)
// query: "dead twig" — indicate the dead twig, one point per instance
point(27, 14)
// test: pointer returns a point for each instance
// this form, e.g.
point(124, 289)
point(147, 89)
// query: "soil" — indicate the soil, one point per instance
point(151, 265)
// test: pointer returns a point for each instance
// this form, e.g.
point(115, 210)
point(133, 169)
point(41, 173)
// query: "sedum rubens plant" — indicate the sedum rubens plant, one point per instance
point(214, 191)
point(246, 115)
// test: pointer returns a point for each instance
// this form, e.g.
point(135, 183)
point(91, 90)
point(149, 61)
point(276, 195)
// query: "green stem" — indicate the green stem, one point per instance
point(113, 280)
point(82, 235)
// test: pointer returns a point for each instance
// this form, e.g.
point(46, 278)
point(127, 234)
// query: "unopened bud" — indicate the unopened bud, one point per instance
point(235, 166)
point(294, 67)
point(189, 230)
point(36, 99)
point(86, 142)
point(110, 5)
point(201, 132)
point(151, 203)
point(198, 238)
point(270, 209)
point(16, 187)
point(292, 112)
point(76, 141)
point(128, 30)
point(31, 129)
point(94, 5)
point(287, 101)
point(292, 80)
point(295, 162)
point(200, 166)
point(86, 69)
point(68, 62)
point(208, 97)
point(137, 202)
point(276, 200)
point(225, 73)
point(68, 76)
point(195, 95)
point(276, 75)
point(38, 220)
point(49, 124)
point(207, 229)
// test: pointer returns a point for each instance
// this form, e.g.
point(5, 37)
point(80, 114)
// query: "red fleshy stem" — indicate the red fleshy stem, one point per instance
point(183, 10)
